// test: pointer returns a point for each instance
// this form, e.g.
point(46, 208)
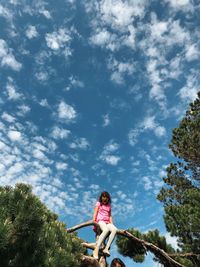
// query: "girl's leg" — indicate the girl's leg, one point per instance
point(102, 236)
point(113, 231)
point(104, 233)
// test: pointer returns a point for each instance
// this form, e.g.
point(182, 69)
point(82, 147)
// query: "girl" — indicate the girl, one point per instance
point(102, 215)
point(116, 262)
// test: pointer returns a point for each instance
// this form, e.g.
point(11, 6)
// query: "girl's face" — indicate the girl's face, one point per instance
point(117, 264)
point(104, 199)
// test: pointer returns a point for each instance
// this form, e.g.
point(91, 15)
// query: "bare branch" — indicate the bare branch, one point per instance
point(89, 245)
point(184, 255)
point(159, 253)
point(79, 226)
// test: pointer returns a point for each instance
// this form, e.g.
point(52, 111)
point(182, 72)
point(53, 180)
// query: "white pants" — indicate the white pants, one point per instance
point(106, 228)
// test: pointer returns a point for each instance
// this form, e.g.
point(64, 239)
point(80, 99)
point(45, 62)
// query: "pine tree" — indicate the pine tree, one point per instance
point(181, 193)
point(31, 235)
point(180, 197)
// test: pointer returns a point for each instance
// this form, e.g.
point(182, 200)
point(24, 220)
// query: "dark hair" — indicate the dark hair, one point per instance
point(117, 260)
point(104, 193)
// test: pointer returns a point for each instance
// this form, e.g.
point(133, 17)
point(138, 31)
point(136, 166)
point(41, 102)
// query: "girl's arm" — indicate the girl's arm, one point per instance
point(111, 219)
point(95, 213)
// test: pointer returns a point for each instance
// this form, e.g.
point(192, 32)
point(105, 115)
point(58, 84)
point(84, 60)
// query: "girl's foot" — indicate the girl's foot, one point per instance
point(96, 253)
point(106, 252)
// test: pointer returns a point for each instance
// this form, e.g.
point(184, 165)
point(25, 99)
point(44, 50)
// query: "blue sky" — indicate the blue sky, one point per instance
point(90, 92)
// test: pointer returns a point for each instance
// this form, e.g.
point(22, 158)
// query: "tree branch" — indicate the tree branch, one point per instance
point(184, 255)
point(79, 226)
point(159, 253)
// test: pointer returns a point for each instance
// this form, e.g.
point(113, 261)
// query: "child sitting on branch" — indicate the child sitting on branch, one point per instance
point(102, 215)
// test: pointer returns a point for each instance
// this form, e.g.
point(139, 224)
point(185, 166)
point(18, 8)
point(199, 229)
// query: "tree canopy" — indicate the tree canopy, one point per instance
point(181, 193)
point(31, 235)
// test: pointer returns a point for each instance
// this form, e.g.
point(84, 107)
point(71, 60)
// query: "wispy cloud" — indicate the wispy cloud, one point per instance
point(28, 159)
point(189, 92)
point(31, 32)
point(109, 153)
point(59, 41)
point(12, 91)
point(59, 133)
point(106, 120)
point(7, 58)
point(148, 124)
point(74, 82)
point(119, 70)
point(80, 143)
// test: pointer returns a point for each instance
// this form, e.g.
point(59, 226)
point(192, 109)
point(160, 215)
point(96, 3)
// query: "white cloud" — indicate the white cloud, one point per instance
point(61, 166)
point(180, 4)
point(111, 147)
point(44, 103)
point(105, 39)
point(59, 40)
point(15, 169)
point(31, 32)
point(14, 135)
point(74, 82)
point(189, 92)
point(30, 161)
point(7, 58)
point(119, 70)
point(38, 154)
point(119, 14)
point(133, 136)
point(81, 143)
point(4, 12)
point(147, 183)
point(160, 131)
point(7, 117)
point(66, 112)
point(192, 52)
point(42, 76)
point(113, 23)
point(147, 124)
point(45, 13)
point(161, 38)
point(101, 37)
point(12, 92)
point(2, 145)
point(59, 133)
point(158, 29)
point(23, 110)
point(108, 153)
point(150, 124)
point(106, 120)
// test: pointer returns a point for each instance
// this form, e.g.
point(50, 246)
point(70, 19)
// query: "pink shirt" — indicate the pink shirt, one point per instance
point(103, 213)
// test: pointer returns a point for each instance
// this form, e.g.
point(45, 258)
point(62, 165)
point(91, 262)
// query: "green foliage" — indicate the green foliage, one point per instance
point(31, 235)
point(130, 248)
point(185, 142)
point(181, 193)
point(134, 250)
